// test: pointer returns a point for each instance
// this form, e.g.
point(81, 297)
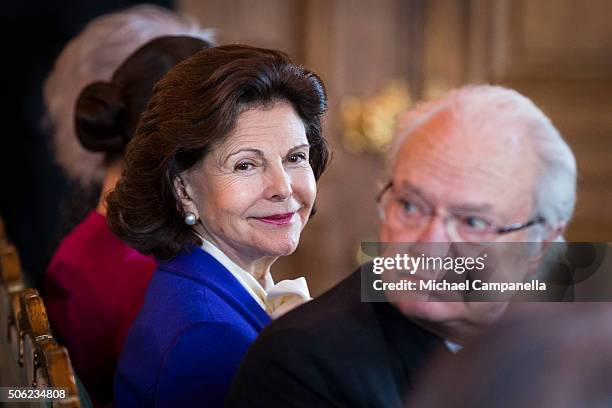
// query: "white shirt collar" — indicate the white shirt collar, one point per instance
point(453, 347)
point(246, 279)
point(277, 299)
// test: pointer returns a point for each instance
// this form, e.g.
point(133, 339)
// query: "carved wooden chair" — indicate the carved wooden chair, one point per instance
point(46, 363)
point(11, 283)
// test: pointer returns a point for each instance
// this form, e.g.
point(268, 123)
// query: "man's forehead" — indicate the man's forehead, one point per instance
point(448, 156)
point(444, 132)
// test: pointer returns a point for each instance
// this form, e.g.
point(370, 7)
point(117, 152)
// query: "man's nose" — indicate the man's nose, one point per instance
point(279, 184)
point(435, 230)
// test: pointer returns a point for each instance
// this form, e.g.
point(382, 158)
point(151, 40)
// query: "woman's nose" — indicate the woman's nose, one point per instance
point(279, 184)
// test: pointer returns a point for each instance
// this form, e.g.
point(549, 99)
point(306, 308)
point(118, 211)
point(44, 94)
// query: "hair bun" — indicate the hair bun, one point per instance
point(100, 118)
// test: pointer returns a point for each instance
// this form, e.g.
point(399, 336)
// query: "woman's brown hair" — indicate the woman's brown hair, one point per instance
point(193, 108)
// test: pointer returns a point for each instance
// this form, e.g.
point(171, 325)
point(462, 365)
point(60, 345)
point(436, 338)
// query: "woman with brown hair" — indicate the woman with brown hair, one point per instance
point(219, 182)
point(91, 261)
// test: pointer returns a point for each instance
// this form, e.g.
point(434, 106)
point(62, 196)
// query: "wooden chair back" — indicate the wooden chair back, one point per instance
point(11, 283)
point(45, 362)
point(29, 355)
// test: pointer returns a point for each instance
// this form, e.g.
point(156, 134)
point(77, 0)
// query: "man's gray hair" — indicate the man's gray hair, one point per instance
point(486, 108)
point(92, 56)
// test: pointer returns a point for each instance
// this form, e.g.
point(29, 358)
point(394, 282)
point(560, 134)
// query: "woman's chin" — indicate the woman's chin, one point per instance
point(281, 247)
point(277, 241)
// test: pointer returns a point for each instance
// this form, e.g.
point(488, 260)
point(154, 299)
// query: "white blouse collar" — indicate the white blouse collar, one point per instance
point(246, 279)
point(274, 299)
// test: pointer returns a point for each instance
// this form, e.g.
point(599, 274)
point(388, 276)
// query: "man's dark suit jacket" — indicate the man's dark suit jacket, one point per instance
point(334, 351)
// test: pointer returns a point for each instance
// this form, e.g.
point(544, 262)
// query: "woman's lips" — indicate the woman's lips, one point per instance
point(278, 219)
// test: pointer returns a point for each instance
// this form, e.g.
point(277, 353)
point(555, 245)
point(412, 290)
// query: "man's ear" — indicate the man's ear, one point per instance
point(184, 192)
point(552, 235)
point(556, 232)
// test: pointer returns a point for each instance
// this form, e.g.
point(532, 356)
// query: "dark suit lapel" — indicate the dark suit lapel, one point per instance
point(404, 338)
point(409, 347)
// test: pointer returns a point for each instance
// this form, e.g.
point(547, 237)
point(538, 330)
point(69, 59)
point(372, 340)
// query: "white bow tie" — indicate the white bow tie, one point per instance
point(285, 296)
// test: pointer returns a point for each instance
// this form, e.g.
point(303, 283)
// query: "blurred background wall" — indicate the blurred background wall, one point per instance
point(557, 52)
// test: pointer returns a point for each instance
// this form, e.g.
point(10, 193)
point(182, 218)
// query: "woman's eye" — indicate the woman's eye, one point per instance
point(244, 166)
point(296, 157)
point(476, 223)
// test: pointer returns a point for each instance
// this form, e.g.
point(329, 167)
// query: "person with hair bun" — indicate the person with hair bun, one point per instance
point(220, 180)
point(95, 284)
point(94, 55)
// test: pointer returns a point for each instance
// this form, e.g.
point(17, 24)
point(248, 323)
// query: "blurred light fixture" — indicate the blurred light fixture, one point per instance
point(368, 122)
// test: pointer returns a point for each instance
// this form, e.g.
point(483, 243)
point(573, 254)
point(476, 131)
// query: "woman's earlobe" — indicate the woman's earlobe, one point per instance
point(187, 206)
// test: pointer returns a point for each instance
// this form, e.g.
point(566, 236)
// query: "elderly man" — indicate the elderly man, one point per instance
point(481, 164)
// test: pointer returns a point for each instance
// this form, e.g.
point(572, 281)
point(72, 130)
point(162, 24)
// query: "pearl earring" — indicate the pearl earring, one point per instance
point(190, 218)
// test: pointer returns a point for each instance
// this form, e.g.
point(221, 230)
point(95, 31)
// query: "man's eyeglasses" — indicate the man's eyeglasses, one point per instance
point(405, 212)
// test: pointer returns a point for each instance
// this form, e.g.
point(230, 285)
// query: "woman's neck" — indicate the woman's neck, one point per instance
point(258, 267)
point(113, 174)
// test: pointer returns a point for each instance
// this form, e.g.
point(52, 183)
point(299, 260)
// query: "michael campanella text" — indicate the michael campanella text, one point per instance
point(444, 285)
